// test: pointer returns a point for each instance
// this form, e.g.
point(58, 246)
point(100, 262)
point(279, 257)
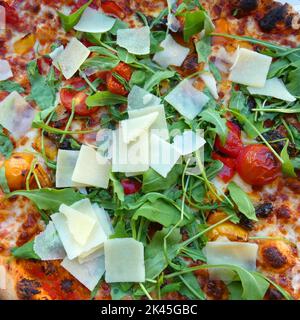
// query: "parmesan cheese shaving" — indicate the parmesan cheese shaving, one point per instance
point(188, 142)
point(5, 70)
point(136, 41)
point(139, 98)
point(2, 278)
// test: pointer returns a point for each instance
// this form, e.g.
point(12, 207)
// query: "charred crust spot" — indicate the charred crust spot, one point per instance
point(264, 210)
point(190, 64)
point(274, 257)
point(246, 223)
point(28, 288)
point(49, 268)
point(275, 135)
point(273, 17)
point(241, 8)
point(216, 289)
point(66, 285)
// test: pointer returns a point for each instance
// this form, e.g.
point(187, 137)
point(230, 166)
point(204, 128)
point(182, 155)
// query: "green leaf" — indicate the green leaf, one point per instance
point(43, 89)
point(203, 48)
point(118, 188)
point(120, 231)
point(172, 287)
point(25, 252)
point(3, 182)
point(155, 260)
point(278, 68)
point(10, 86)
point(157, 78)
point(49, 199)
point(238, 101)
point(293, 82)
point(160, 211)
point(138, 78)
point(242, 201)
point(119, 24)
point(191, 289)
point(213, 117)
point(117, 292)
point(101, 63)
point(194, 23)
point(125, 56)
point(152, 181)
point(287, 166)
point(6, 146)
point(105, 98)
point(68, 22)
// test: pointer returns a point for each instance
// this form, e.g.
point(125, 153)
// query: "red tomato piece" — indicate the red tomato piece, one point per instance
point(124, 70)
point(12, 16)
point(228, 170)
point(257, 165)
point(112, 8)
point(113, 85)
point(131, 186)
point(233, 143)
point(77, 94)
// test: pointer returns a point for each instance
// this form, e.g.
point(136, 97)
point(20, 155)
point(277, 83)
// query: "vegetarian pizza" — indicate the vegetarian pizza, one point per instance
point(149, 150)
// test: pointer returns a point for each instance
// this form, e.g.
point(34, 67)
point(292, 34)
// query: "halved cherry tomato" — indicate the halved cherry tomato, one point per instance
point(257, 165)
point(228, 170)
point(131, 186)
point(233, 143)
point(78, 95)
point(112, 8)
point(17, 168)
point(113, 85)
point(11, 15)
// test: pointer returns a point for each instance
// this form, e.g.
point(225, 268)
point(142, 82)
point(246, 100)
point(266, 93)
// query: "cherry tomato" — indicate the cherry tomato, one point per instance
point(131, 186)
point(233, 143)
point(228, 170)
point(11, 15)
point(68, 95)
point(113, 85)
point(112, 8)
point(257, 165)
point(17, 168)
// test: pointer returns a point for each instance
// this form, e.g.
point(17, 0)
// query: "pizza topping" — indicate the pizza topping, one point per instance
point(16, 115)
point(187, 100)
point(244, 70)
point(2, 278)
point(172, 54)
point(124, 260)
point(94, 21)
point(189, 142)
point(139, 98)
point(136, 41)
point(131, 186)
point(5, 70)
point(273, 88)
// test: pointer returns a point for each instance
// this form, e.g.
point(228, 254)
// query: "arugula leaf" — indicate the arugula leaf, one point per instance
point(101, 63)
point(171, 287)
point(138, 78)
point(6, 146)
point(25, 252)
point(3, 182)
point(120, 230)
point(194, 23)
point(191, 289)
point(43, 89)
point(160, 211)
point(293, 82)
point(118, 188)
point(203, 48)
point(152, 181)
point(155, 260)
point(68, 22)
point(213, 117)
point(287, 166)
point(125, 56)
point(104, 98)
point(157, 78)
point(49, 199)
point(11, 86)
point(242, 200)
point(238, 101)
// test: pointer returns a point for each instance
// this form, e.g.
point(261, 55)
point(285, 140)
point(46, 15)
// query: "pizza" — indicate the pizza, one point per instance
point(149, 150)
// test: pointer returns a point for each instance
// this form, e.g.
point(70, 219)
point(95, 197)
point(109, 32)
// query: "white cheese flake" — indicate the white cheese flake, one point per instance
point(136, 41)
point(80, 225)
point(93, 21)
point(250, 68)
point(124, 260)
point(5, 70)
point(140, 98)
point(16, 115)
point(132, 157)
point(91, 168)
point(172, 54)
point(88, 273)
point(163, 155)
point(189, 142)
point(73, 56)
point(65, 165)
point(47, 245)
point(3, 277)
point(133, 128)
point(160, 125)
point(187, 100)
point(240, 254)
point(210, 82)
point(274, 88)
